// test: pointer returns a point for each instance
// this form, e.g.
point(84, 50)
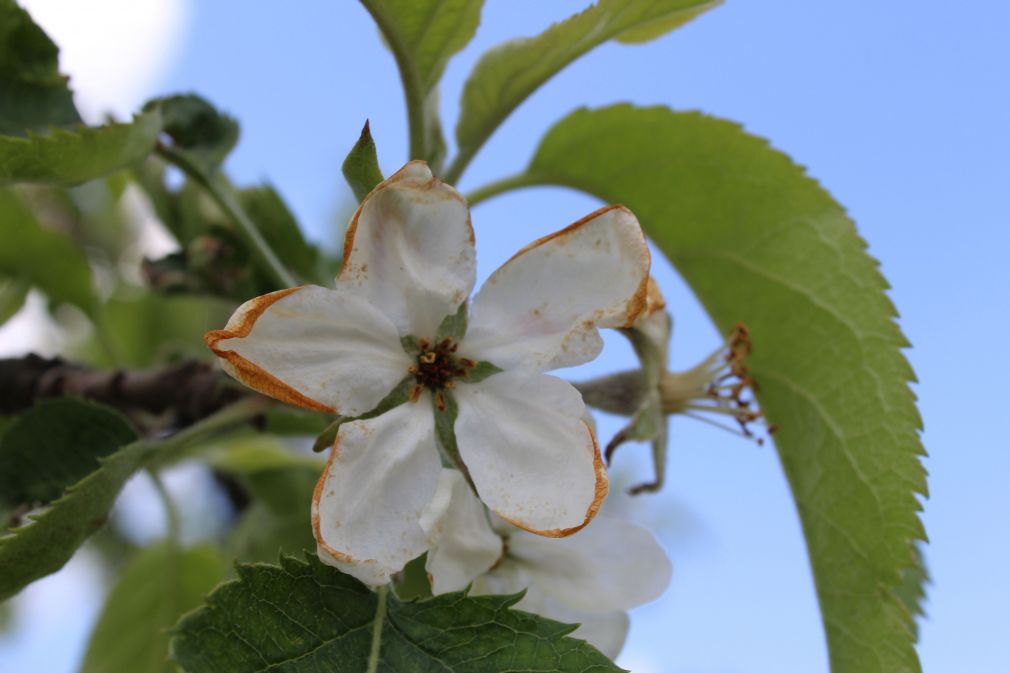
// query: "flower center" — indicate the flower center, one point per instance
point(437, 365)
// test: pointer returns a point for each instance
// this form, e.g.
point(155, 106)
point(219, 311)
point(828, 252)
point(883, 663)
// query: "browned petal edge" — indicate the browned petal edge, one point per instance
point(602, 488)
point(654, 300)
point(638, 300)
point(352, 226)
point(317, 494)
point(250, 373)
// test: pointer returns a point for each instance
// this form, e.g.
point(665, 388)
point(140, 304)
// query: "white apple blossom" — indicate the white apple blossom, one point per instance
point(519, 434)
point(590, 579)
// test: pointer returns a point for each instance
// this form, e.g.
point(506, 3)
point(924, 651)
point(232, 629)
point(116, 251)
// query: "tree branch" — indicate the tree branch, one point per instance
point(178, 394)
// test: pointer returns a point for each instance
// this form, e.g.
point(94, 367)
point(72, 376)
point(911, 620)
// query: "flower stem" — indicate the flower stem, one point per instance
point(412, 92)
point(501, 186)
point(219, 189)
point(171, 511)
point(382, 595)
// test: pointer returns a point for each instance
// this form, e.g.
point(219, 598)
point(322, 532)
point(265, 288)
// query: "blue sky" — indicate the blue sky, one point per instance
point(898, 108)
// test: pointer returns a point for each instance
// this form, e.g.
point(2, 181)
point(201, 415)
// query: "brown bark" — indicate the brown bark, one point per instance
point(177, 395)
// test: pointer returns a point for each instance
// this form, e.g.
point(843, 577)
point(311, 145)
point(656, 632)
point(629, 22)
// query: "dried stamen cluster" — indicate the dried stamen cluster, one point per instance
point(437, 365)
point(721, 384)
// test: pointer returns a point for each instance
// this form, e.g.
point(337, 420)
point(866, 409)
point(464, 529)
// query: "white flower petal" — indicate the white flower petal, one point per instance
point(378, 483)
point(533, 459)
point(542, 308)
point(409, 249)
point(317, 348)
point(605, 631)
point(462, 543)
point(612, 565)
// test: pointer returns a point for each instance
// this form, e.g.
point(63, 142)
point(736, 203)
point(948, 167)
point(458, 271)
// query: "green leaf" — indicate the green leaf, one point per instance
point(305, 616)
point(423, 35)
point(762, 243)
point(912, 590)
point(198, 131)
point(48, 540)
point(156, 587)
point(44, 543)
point(55, 444)
point(33, 94)
point(361, 167)
point(507, 74)
point(27, 252)
point(281, 231)
point(13, 293)
point(70, 157)
point(281, 483)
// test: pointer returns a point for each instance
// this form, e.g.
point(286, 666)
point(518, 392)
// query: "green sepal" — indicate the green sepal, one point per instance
point(481, 371)
point(397, 396)
point(361, 167)
point(453, 326)
point(411, 345)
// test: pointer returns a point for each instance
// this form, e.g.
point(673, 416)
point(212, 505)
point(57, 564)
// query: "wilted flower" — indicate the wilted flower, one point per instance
point(398, 322)
point(591, 578)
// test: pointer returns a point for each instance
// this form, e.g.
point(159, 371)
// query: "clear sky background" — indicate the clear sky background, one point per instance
point(899, 108)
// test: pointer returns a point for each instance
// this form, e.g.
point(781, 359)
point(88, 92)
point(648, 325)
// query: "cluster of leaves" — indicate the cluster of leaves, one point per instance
point(756, 238)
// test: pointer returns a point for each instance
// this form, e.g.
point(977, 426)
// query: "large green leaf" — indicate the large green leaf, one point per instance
point(762, 243)
point(506, 75)
point(155, 588)
point(423, 35)
point(66, 157)
point(55, 444)
point(41, 257)
point(309, 617)
point(33, 93)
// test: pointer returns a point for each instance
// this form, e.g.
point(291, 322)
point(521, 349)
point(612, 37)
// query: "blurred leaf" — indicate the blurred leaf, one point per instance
point(13, 293)
point(361, 167)
point(281, 231)
point(47, 540)
point(507, 74)
point(281, 483)
point(46, 259)
point(33, 94)
point(423, 35)
point(184, 212)
point(761, 243)
point(157, 586)
point(148, 329)
point(69, 157)
point(305, 616)
point(197, 129)
point(54, 444)
point(649, 31)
